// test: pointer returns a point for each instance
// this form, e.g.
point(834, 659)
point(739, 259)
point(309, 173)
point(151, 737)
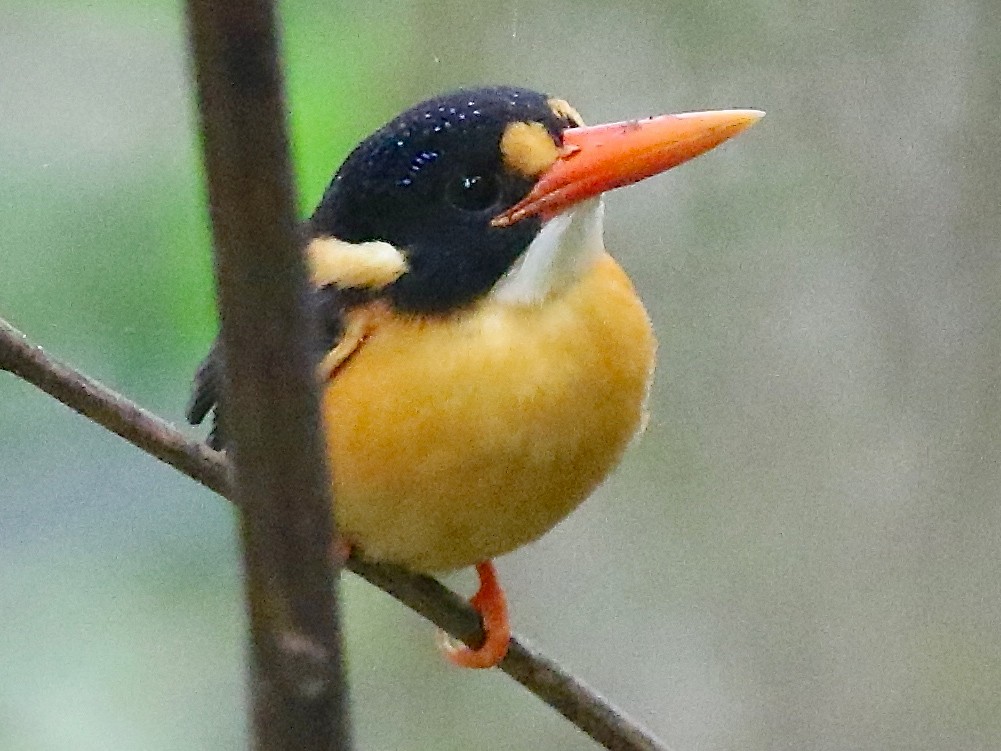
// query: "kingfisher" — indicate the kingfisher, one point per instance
point(483, 360)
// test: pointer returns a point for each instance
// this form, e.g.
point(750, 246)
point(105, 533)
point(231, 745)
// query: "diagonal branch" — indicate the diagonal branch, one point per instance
point(568, 695)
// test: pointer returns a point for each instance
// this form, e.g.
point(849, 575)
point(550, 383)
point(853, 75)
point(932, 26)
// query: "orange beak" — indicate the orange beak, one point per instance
point(599, 158)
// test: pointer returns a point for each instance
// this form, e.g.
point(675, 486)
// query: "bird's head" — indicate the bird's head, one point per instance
point(492, 191)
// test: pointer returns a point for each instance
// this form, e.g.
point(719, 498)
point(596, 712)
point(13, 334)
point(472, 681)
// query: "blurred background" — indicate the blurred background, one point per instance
point(803, 550)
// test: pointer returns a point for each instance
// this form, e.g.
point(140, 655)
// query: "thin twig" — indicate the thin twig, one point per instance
point(298, 692)
point(112, 411)
point(576, 701)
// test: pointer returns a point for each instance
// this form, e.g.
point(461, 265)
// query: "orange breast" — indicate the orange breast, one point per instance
point(454, 441)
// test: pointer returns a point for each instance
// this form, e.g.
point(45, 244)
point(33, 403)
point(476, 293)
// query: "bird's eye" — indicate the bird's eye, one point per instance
point(473, 192)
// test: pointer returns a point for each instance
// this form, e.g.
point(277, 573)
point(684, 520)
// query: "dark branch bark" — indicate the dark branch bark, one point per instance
point(569, 696)
point(280, 479)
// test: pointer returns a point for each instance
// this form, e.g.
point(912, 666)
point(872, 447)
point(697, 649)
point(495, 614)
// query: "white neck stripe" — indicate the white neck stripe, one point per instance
point(564, 249)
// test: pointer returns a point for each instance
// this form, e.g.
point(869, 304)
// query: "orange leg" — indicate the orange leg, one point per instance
point(490, 603)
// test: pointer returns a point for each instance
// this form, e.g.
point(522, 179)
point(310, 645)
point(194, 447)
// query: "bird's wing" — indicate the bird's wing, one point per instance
point(348, 280)
point(206, 394)
point(339, 335)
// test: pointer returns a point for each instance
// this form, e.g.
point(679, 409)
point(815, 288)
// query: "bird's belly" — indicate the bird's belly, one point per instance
point(458, 440)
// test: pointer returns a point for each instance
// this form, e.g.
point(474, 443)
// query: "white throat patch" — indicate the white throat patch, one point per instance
point(564, 249)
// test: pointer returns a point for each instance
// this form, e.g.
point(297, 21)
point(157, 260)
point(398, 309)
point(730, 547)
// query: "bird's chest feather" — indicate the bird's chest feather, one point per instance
point(456, 440)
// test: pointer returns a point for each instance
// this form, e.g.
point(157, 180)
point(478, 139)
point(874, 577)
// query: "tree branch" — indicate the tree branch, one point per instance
point(298, 694)
point(572, 698)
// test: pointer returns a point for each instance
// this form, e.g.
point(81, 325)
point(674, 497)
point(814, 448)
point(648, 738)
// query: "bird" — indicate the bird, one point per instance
point(483, 361)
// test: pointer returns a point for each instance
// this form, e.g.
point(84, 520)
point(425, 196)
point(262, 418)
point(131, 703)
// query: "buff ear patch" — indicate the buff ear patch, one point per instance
point(563, 108)
point(528, 149)
point(370, 265)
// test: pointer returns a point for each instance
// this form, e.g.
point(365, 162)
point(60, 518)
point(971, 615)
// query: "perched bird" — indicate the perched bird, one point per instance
point(484, 362)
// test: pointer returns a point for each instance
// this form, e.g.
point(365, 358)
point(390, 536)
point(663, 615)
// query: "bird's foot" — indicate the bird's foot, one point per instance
point(490, 603)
